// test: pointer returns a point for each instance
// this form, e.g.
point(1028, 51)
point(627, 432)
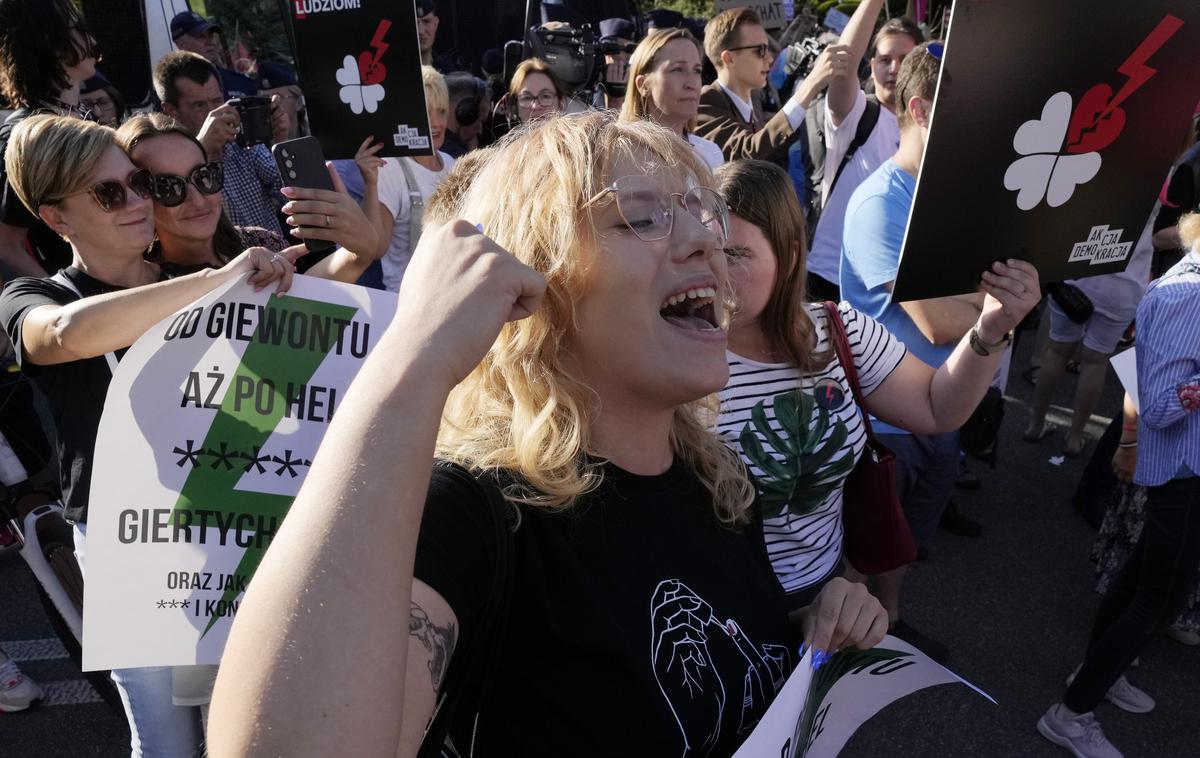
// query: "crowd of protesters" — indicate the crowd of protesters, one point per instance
point(666, 220)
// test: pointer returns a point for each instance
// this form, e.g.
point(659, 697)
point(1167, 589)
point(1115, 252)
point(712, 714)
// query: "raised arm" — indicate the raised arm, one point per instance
point(926, 401)
point(329, 608)
point(856, 37)
point(99, 324)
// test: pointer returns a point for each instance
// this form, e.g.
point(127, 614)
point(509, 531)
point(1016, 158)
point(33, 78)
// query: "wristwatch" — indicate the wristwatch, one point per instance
point(986, 349)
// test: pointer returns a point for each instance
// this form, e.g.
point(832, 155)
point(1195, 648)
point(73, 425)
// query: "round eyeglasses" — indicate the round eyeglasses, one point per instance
point(649, 212)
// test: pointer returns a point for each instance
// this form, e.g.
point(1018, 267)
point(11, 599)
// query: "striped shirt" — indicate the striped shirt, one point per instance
point(804, 537)
point(1168, 357)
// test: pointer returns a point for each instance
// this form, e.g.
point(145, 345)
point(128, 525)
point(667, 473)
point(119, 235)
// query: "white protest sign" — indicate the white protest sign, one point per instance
point(211, 422)
point(817, 711)
point(1125, 364)
point(770, 12)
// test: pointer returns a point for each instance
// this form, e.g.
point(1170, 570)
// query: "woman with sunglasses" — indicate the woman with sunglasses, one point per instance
point(664, 74)
point(781, 350)
point(642, 595)
point(193, 230)
point(70, 330)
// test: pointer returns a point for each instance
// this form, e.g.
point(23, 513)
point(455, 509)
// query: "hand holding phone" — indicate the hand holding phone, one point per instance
point(302, 164)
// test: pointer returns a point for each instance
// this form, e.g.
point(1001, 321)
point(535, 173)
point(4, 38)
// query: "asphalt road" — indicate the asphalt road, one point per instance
point(1014, 606)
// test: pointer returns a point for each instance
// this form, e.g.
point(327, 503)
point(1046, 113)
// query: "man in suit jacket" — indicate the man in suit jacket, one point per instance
point(729, 115)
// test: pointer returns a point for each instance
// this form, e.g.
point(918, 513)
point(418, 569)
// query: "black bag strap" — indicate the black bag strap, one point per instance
point(866, 125)
point(473, 669)
point(841, 344)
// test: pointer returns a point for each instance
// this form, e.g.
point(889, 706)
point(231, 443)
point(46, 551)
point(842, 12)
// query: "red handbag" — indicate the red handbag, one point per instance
point(877, 536)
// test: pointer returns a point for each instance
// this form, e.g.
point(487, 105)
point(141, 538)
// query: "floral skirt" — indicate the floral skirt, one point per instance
point(1119, 536)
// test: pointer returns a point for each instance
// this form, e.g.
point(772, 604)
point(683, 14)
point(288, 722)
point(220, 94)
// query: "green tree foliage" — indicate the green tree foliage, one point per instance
point(256, 23)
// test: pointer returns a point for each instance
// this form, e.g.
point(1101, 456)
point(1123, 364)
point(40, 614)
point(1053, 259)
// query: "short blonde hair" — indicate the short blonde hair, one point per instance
point(642, 62)
point(1189, 229)
point(721, 31)
point(436, 94)
point(50, 157)
point(520, 410)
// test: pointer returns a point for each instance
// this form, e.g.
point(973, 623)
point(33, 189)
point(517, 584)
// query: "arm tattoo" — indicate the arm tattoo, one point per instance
point(438, 641)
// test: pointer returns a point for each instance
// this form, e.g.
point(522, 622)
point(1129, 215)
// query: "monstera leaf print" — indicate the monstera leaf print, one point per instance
point(802, 473)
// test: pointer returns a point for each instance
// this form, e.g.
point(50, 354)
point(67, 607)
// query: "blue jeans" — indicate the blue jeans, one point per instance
point(157, 727)
point(926, 469)
point(1147, 594)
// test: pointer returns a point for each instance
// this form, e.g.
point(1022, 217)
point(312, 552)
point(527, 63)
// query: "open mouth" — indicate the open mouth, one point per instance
point(692, 309)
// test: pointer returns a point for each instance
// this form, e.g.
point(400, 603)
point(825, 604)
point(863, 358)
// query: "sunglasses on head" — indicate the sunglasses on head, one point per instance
point(760, 50)
point(170, 190)
point(110, 195)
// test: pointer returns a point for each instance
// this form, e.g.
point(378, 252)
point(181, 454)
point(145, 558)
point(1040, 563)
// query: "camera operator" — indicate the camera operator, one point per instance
point(617, 42)
point(469, 108)
point(193, 33)
point(189, 88)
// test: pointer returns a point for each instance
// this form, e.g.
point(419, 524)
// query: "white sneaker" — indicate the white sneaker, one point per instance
point(16, 690)
point(1081, 735)
point(1123, 695)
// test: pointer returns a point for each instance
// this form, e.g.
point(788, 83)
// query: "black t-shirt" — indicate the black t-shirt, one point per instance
point(50, 250)
point(639, 625)
point(75, 391)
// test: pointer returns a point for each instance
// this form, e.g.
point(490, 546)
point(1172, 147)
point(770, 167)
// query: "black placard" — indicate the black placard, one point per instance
point(360, 70)
point(1054, 128)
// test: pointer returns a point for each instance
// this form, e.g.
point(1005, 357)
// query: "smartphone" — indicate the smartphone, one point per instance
point(302, 164)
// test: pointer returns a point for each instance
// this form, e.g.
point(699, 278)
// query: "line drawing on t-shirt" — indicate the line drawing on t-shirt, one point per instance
point(681, 624)
point(804, 474)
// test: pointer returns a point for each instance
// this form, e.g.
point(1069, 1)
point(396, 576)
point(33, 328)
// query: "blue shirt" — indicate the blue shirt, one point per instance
point(1168, 356)
point(874, 232)
point(252, 185)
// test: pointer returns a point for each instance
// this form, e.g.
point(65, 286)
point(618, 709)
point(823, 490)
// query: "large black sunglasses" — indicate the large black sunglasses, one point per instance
point(170, 190)
point(110, 195)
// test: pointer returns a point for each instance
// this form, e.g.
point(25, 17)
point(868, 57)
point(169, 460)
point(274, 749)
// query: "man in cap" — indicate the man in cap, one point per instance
point(279, 79)
point(195, 34)
point(617, 42)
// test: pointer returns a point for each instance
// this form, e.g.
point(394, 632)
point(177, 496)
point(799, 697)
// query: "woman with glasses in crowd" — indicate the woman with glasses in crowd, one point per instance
point(535, 91)
point(193, 231)
point(665, 80)
point(70, 330)
point(569, 379)
point(102, 101)
point(781, 351)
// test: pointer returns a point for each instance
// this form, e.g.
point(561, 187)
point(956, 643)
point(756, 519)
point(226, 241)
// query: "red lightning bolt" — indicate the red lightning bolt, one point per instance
point(378, 43)
point(1135, 67)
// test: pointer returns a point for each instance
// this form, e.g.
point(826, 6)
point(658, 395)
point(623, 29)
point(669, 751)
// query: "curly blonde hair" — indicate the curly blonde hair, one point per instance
point(520, 410)
point(1189, 230)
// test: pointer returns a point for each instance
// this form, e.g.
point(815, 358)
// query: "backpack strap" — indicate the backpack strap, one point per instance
point(473, 669)
point(866, 125)
point(416, 205)
point(110, 357)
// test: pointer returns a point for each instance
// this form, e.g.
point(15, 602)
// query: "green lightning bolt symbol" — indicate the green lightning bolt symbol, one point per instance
point(212, 488)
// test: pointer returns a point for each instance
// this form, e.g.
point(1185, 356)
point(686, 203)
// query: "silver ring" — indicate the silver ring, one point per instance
point(328, 223)
point(276, 257)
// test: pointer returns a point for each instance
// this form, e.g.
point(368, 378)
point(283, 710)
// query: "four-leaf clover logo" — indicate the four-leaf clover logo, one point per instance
point(1046, 170)
point(359, 95)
